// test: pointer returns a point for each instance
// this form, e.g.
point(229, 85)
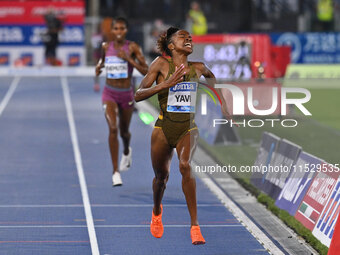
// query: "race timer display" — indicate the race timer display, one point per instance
point(226, 61)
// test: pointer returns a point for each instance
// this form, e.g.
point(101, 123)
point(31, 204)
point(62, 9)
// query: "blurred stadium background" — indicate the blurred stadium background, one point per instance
point(88, 22)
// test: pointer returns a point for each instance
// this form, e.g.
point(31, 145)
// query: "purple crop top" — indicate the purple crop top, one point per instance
point(117, 68)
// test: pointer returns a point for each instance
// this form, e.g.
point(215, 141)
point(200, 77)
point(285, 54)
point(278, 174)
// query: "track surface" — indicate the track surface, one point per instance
point(43, 208)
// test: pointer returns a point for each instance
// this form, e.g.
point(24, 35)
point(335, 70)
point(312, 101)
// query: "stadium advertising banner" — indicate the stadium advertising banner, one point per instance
point(324, 76)
point(316, 197)
point(282, 163)
point(298, 182)
point(22, 27)
point(265, 154)
point(310, 48)
point(324, 227)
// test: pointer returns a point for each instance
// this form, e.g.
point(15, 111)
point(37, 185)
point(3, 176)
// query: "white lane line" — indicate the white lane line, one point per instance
point(80, 170)
point(9, 94)
point(120, 226)
point(105, 205)
point(237, 212)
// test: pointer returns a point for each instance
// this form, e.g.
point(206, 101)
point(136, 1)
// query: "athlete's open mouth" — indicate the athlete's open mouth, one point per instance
point(188, 45)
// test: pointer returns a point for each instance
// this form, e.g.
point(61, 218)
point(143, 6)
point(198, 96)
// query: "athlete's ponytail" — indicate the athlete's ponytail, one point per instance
point(165, 39)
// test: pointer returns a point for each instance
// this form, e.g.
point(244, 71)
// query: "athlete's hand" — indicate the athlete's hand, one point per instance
point(176, 77)
point(99, 69)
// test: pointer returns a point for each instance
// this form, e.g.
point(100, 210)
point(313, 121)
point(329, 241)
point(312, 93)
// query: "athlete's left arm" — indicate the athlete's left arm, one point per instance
point(135, 54)
point(211, 80)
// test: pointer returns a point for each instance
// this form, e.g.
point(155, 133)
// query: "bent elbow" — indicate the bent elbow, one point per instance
point(137, 97)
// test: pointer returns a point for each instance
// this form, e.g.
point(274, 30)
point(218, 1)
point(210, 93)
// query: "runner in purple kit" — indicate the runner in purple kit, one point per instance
point(119, 57)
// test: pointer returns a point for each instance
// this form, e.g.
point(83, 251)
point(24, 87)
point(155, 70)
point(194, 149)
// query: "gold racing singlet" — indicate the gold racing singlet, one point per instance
point(178, 106)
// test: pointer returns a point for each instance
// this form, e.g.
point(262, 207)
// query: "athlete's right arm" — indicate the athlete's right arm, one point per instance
point(101, 61)
point(145, 90)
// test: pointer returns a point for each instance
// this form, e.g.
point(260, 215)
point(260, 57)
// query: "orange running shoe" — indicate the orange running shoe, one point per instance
point(196, 236)
point(156, 226)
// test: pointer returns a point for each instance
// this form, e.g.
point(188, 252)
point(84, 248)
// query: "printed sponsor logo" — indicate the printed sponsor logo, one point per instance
point(74, 59)
point(69, 11)
point(324, 228)
point(4, 59)
point(11, 35)
point(184, 86)
point(11, 11)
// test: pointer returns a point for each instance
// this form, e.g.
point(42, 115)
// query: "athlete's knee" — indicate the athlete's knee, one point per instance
point(185, 169)
point(161, 179)
point(125, 134)
point(113, 131)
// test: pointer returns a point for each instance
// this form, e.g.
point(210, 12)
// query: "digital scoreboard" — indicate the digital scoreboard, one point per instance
point(228, 61)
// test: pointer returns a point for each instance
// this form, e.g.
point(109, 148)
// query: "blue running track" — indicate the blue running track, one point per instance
point(41, 205)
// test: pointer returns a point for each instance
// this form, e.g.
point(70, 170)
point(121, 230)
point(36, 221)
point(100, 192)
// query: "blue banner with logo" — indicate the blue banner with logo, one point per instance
point(21, 35)
point(299, 180)
point(310, 48)
point(266, 152)
point(282, 163)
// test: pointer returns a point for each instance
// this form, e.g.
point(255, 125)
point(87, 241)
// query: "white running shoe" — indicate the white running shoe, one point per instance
point(116, 179)
point(126, 161)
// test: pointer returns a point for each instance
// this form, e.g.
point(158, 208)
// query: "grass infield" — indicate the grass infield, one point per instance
point(318, 135)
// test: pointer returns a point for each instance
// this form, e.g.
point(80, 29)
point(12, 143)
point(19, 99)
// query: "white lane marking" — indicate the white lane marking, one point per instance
point(237, 212)
point(120, 226)
point(9, 94)
point(80, 170)
point(106, 205)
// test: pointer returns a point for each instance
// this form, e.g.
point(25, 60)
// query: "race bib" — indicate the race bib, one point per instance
point(182, 97)
point(116, 68)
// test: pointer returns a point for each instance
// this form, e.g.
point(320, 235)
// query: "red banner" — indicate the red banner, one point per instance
point(13, 12)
